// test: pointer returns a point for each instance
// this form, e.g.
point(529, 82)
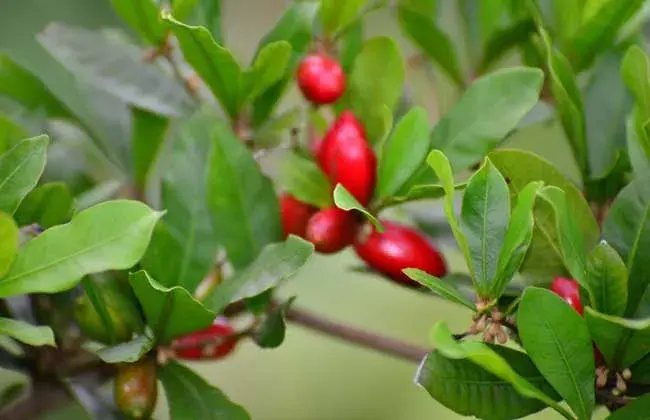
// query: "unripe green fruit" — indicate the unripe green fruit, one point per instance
point(135, 389)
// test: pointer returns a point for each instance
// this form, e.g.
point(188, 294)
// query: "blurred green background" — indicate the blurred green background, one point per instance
point(311, 377)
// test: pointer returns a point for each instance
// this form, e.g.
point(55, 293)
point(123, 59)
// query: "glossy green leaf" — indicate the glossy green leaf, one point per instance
point(519, 236)
point(627, 230)
point(109, 236)
point(635, 409)
point(503, 40)
point(274, 265)
point(27, 333)
point(422, 30)
point(346, 201)
point(182, 9)
point(143, 16)
point(558, 341)
point(403, 153)
point(303, 179)
point(183, 248)
point(272, 330)
point(440, 288)
point(9, 237)
point(376, 81)
point(622, 342)
point(484, 219)
point(10, 132)
point(351, 44)
point(635, 71)
point(607, 277)
point(268, 69)
point(241, 200)
point(637, 142)
point(127, 352)
point(337, 14)
point(20, 169)
point(497, 365)
point(48, 205)
point(170, 312)
point(214, 63)
point(147, 137)
point(190, 397)
point(544, 259)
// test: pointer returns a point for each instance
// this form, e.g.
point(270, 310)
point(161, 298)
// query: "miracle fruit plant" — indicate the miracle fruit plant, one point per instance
point(95, 284)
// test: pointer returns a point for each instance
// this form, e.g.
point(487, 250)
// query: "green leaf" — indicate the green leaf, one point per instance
point(241, 200)
point(303, 179)
point(268, 69)
point(544, 259)
point(519, 236)
point(27, 333)
point(109, 236)
point(10, 132)
point(20, 169)
point(627, 230)
point(274, 265)
point(337, 14)
point(351, 44)
point(170, 312)
point(496, 364)
point(422, 30)
point(346, 201)
point(214, 63)
point(607, 276)
point(127, 352)
point(271, 331)
point(376, 81)
point(599, 31)
point(635, 71)
point(622, 342)
point(143, 16)
point(48, 205)
point(638, 408)
point(638, 141)
point(183, 248)
point(484, 219)
point(437, 286)
point(190, 397)
point(182, 9)
point(147, 136)
point(500, 42)
point(419, 192)
point(403, 153)
point(114, 65)
point(558, 341)
point(9, 238)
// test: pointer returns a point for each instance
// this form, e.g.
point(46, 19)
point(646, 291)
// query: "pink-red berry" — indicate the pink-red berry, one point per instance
point(569, 290)
point(321, 79)
point(215, 342)
point(295, 215)
point(331, 230)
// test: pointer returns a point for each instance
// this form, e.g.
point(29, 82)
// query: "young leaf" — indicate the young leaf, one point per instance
point(469, 390)
point(127, 352)
point(303, 179)
point(423, 31)
point(215, 64)
point(437, 286)
point(557, 339)
point(403, 153)
point(27, 333)
point(170, 312)
point(635, 409)
point(607, 276)
point(627, 230)
point(20, 169)
point(518, 238)
point(346, 201)
point(268, 69)
point(337, 14)
point(147, 136)
point(190, 397)
point(484, 218)
point(270, 333)
point(275, 264)
point(48, 205)
point(183, 248)
point(143, 16)
point(241, 200)
point(9, 237)
point(109, 236)
point(497, 365)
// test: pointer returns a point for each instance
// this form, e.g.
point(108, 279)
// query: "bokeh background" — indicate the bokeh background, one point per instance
point(310, 377)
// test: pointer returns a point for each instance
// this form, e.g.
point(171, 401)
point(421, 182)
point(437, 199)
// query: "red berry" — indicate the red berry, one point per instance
point(399, 247)
point(295, 215)
point(347, 158)
point(569, 290)
point(331, 230)
point(202, 345)
point(321, 79)
point(135, 388)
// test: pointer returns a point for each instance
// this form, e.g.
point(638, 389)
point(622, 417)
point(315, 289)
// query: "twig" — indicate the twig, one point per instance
point(189, 82)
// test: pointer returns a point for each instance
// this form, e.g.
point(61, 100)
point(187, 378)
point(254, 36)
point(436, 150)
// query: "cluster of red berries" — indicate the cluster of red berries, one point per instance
point(346, 157)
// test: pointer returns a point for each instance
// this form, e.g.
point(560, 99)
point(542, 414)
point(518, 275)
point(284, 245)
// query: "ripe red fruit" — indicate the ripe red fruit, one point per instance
point(331, 230)
point(399, 247)
point(321, 79)
point(569, 290)
point(295, 215)
point(347, 159)
point(193, 346)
